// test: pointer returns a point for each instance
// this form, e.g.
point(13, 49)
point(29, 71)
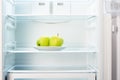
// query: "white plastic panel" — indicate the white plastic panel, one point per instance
point(41, 8)
point(83, 8)
point(42, 72)
point(10, 6)
point(52, 59)
point(23, 7)
point(61, 8)
point(55, 7)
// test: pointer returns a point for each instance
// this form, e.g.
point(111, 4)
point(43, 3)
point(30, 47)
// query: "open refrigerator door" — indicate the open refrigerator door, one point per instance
point(113, 8)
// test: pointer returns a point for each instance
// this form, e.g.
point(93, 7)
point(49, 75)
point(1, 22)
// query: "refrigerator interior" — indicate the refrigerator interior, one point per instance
point(77, 22)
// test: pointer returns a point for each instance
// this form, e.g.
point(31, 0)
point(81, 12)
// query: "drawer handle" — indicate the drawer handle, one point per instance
point(60, 4)
point(41, 4)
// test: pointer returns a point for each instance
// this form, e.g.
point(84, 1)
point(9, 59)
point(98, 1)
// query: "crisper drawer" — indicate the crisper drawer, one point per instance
point(51, 76)
point(51, 73)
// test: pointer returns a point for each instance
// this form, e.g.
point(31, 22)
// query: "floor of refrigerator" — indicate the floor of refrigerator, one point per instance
point(40, 72)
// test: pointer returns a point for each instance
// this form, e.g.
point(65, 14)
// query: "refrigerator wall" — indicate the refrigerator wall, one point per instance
point(7, 40)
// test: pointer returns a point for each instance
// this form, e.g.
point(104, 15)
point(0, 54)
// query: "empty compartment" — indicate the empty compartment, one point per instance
point(80, 40)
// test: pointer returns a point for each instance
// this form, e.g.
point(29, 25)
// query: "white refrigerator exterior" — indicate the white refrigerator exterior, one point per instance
point(118, 50)
point(116, 58)
point(105, 44)
point(1, 58)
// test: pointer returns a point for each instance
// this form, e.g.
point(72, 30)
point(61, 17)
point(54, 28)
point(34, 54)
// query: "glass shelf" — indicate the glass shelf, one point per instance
point(81, 69)
point(51, 17)
point(38, 15)
point(65, 50)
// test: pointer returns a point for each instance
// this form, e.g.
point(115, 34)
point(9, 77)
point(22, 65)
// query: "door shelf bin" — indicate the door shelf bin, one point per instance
point(51, 72)
point(112, 6)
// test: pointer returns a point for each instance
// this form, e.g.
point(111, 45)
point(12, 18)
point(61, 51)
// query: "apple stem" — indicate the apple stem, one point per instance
point(57, 34)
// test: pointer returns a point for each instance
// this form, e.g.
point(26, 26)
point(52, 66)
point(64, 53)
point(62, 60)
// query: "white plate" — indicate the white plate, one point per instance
point(50, 48)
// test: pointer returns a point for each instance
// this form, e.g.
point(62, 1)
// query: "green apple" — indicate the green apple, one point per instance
point(43, 41)
point(61, 41)
point(38, 42)
point(56, 41)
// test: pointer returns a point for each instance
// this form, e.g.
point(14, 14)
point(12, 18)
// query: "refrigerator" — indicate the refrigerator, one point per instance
point(85, 27)
point(113, 8)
